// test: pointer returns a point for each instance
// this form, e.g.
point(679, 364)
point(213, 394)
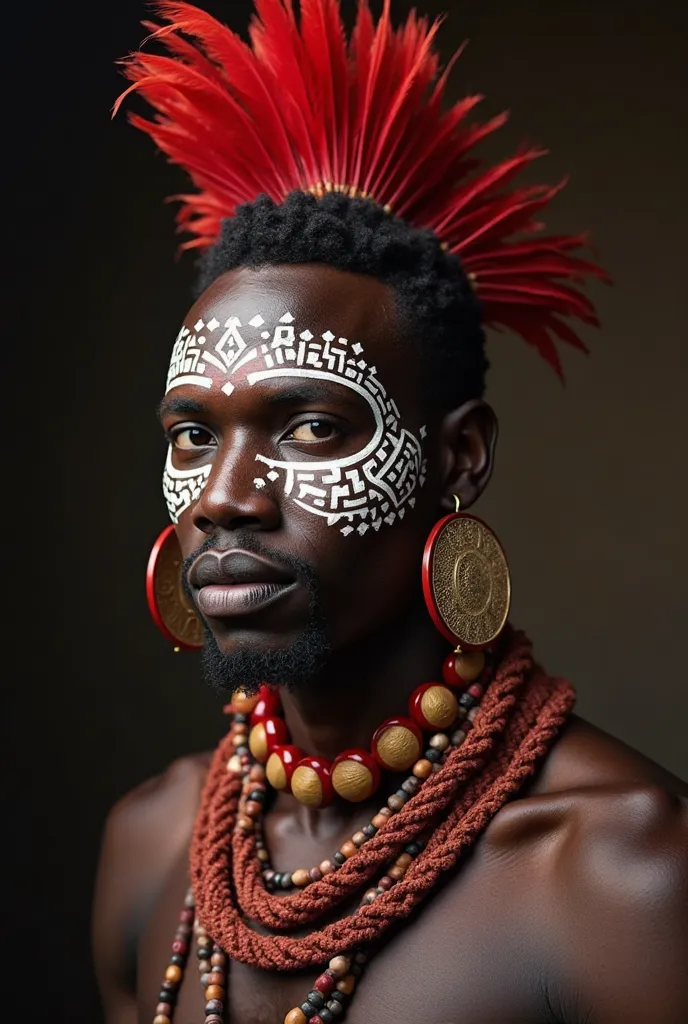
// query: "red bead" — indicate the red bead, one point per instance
point(269, 705)
point(355, 775)
point(475, 690)
point(162, 1009)
point(441, 706)
point(449, 672)
point(397, 744)
point(324, 984)
point(186, 916)
point(311, 782)
point(279, 774)
point(179, 946)
point(317, 1019)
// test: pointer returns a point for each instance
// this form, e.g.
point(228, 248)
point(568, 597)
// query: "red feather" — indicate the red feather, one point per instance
point(303, 108)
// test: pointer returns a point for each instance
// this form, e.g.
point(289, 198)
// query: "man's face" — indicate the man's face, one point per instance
point(298, 473)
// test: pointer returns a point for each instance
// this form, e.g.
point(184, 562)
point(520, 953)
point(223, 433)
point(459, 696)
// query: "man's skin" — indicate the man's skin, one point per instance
point(573, 906)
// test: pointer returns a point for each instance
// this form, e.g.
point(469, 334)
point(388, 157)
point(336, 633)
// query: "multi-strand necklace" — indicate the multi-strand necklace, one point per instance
point(423, 825)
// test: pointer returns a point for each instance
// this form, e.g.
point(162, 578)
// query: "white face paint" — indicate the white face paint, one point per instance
point(359, 492)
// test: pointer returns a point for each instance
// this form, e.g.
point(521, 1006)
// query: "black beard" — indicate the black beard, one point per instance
point(294, 665)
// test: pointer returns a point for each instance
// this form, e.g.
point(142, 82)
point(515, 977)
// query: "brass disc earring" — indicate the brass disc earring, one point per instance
point(173, 612)
point(466, 581)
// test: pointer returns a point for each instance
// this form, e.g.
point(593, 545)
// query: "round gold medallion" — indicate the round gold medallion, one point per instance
point(172, 610)
point(467, 581)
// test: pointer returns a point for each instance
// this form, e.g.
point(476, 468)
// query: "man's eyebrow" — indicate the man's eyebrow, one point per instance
point(176, 406)
point(307, 392)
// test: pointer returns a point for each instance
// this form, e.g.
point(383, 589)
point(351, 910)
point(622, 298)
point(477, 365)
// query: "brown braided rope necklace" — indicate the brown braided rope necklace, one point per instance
point(518, 719)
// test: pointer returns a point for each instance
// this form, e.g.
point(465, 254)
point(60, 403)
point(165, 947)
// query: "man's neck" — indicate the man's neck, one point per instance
point(362, 686)
point(343, 707)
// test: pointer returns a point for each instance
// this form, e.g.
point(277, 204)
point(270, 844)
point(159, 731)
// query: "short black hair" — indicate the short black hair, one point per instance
point(428, 283)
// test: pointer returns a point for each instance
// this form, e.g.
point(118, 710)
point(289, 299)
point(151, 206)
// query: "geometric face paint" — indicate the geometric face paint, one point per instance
point(362, 491)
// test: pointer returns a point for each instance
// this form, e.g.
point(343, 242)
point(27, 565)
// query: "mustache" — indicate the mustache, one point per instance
point(248, 541)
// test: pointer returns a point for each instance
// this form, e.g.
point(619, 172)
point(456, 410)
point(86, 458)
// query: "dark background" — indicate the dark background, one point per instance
point(590, 495)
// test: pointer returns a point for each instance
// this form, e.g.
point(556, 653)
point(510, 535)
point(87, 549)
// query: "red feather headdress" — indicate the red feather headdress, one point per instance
point(303, 108)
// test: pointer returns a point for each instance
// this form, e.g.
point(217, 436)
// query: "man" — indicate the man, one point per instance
point(324, 410)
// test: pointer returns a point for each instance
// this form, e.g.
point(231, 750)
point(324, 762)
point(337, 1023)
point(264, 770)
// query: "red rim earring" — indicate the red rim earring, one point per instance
point(173, 613)
point(467, 589)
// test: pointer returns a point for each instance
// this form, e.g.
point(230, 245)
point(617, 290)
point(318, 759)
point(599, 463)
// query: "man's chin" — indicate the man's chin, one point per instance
point(249, 662)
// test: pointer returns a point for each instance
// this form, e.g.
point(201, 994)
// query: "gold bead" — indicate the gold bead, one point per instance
point(295, 1016)
point(469, 664)
point(173, 973)
point(300, 878)
point(346, 985)
point(258, 742)
point(347, 849)
point(161, 1018)
point(422, 768)
point(274, 769)
point(403, 860)
point(234, 764)
point(352, 781)
point(398, 748)
point(242, 704)
point(214, 992)
point(306, 786)
point(439, 706)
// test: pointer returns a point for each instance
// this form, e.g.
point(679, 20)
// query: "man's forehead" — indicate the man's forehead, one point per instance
point(318, 297)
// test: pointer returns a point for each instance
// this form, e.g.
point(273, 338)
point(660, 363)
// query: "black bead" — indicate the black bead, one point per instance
point(165, 997)
point(286, 882)
point(356, 970)
point(240, 719)
point(177, 959)
point(316, 999)
point(369, 831)
point(258, 795)
point(413, 849)
point(339, 996)
point(339, 858)
point(308, 1010)
point(402, 795)
point(466, 701)
point(433, 756)
point(276, 879)
point(335, 1008)
point(326, 1016)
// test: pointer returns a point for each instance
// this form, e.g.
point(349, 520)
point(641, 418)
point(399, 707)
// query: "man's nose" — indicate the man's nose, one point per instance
point(231, 499)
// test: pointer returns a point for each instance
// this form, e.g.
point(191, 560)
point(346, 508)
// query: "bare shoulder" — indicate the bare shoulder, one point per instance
point(603, 837)
point(145, 833)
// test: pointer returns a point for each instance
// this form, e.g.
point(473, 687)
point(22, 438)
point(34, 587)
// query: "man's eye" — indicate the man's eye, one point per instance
point(192, 437)
point(313, 430)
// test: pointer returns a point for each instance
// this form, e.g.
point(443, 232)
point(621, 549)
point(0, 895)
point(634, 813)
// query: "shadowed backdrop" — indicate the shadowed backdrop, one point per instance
point(589, 496)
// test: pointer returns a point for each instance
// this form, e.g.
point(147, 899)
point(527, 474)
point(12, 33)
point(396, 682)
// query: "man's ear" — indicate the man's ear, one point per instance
point(468, 438)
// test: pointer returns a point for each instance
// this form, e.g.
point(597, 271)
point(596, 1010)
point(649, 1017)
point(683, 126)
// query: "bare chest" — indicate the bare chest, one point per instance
point(469, 956)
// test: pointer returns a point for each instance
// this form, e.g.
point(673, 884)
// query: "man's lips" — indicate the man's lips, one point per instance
point(231, 583)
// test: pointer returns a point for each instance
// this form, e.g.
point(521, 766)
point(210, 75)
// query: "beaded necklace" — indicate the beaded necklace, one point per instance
point(524, 730)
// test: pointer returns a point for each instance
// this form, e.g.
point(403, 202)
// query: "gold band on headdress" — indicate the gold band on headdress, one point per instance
point(321, 188)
